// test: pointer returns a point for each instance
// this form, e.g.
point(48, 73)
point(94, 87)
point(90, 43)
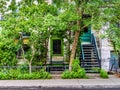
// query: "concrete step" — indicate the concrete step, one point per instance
point(56, 76)
point(88, 45)
point(90, 62)
point(57, 68)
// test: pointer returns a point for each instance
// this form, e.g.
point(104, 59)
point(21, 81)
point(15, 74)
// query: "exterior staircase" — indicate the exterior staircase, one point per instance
point(89, 56)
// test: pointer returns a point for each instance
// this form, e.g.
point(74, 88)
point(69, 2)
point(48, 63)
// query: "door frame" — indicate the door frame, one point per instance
point(51, 46)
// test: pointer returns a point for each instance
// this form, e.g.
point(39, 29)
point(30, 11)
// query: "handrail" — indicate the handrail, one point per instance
point(82, 54)
point(95, 43)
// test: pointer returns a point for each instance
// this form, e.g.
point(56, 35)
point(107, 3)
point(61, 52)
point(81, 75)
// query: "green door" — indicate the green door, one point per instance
point(86, 36)
point(56, 47)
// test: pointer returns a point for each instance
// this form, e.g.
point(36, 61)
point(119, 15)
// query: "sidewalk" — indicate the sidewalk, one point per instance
point(78, 83)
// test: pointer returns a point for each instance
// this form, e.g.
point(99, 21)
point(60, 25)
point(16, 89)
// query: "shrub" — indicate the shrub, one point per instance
point(16, 74)
point(77, 71)
point(103, 73)
point(3, 76)
point(66, 74)
point(13, 74)
point(75, 65)
point(43, 74)
point(81, 73)
point(23, 68)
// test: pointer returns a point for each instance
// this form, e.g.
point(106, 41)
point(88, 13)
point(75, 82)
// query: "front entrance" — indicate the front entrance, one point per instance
point(56, 55)
point(56, 47)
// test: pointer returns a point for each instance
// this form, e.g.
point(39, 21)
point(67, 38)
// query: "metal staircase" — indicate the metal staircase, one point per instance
point(89, 56)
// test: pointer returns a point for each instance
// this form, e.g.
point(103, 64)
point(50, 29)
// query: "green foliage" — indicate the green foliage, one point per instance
point(112, 33)
point(66, 74)
point(43, 74)
point(75, 65)
point(8, 50)
point(13, 74)
point(23, 68)
point(96, 69)
point(77, 71)
point(103, 73)
point(17, 74)
point(3, 76)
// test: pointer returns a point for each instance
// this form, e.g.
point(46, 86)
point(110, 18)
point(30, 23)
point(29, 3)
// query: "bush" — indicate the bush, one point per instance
point(103, 73)
point(3, 76)
point(13, 74)
point(81, 73)
point(77, 71)
point(66, 74)
point(23, 68)
point(16, 74)
point(75, 65)
point(44, 75)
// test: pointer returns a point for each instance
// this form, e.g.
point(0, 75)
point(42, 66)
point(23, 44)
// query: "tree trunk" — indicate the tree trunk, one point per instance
point(69, 45)
point(76, 36)
point(30, 67)
point(30, 62)
point(73, 51)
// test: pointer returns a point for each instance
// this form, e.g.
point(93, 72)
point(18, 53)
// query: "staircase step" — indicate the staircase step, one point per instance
point(89, 68)
point(90, 62)
point(91, 65)
point(88, 45)
point(88, 57)
point(56, 74)
point(89, 50)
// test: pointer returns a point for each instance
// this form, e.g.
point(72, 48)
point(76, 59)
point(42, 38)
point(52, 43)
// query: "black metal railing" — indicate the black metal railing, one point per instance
point(93, 41)
point(82, 54)
point(34, 68)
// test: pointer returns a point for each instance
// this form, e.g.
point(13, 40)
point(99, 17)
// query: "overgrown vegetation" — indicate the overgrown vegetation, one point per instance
point(15, 74)
point(77, 71)
point(103, 73)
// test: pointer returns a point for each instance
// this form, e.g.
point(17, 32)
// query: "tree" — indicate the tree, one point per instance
point(113, 31)
point(8, 50)
point(83, 13)
point(8, 47)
